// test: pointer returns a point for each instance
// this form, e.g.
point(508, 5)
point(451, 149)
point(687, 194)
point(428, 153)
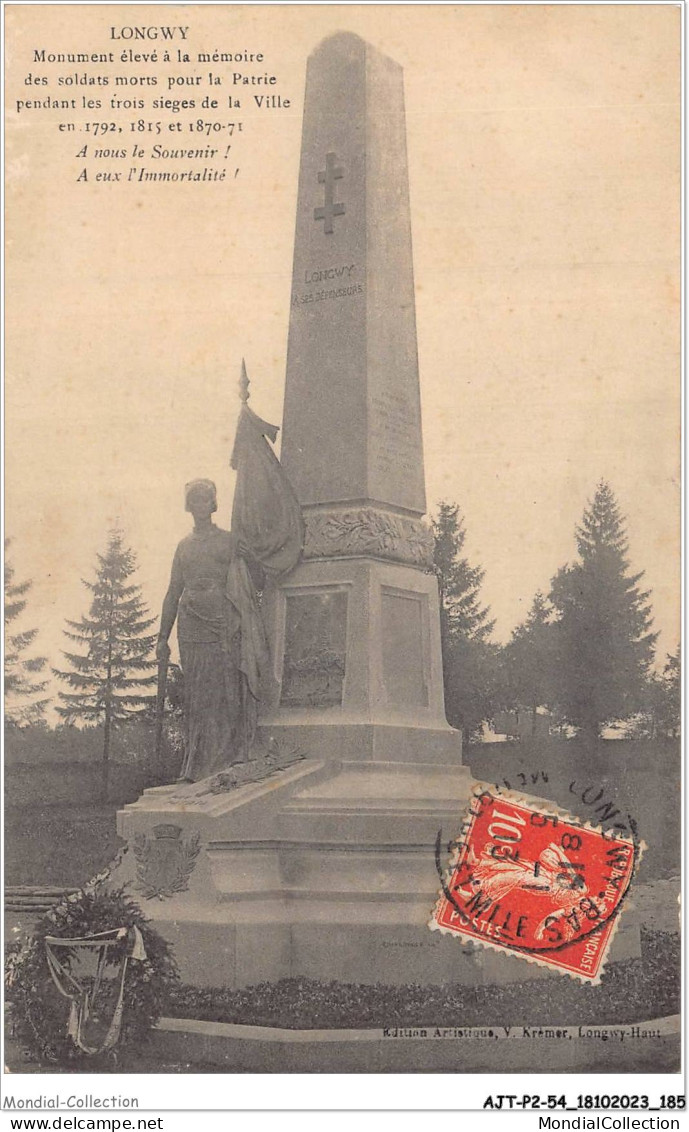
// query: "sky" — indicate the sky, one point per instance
point(543, 146)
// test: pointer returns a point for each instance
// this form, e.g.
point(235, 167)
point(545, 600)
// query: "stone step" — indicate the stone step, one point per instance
point(376, 826)
point(378, 804)
point(386, 783)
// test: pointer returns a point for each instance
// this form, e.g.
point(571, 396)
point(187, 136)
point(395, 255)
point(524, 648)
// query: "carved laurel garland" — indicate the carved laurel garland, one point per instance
point(368, 531)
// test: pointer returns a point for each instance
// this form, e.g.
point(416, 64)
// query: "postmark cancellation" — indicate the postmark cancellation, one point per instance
point(528, 879)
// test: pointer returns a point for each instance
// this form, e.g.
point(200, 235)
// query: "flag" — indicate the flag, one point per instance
point(268, 524)
point(266, 515)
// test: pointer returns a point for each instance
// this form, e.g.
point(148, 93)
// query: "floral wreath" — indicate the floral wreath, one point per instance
point(104, 1014)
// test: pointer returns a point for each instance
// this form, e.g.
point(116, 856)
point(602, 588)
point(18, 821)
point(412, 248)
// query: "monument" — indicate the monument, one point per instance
point(326, 868)
point(355, 630)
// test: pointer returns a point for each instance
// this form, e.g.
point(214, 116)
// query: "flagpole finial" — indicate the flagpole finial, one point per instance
point(244, 384)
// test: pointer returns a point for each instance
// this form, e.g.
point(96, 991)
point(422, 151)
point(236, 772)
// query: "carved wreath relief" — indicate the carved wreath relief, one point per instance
point(368, 531)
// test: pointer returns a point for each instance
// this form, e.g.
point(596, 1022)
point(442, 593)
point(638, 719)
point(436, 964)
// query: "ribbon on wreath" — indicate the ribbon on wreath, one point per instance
point(82, 997)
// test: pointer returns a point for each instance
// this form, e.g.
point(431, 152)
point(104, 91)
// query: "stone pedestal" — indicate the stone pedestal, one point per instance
point(357, 670)
point(326, 870)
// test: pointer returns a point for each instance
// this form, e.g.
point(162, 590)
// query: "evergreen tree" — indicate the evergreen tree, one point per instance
point(460, 583)
point(22, 708)
point(603, 639)
point(527, 660)
point(110, 676)
point(666, 698)
point(469, 659)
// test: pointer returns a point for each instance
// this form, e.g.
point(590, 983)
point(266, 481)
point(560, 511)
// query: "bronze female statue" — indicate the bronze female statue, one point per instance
point(212, 595)
point(218, 703)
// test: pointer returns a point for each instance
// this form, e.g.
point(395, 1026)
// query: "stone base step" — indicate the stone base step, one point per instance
point(652, 1047)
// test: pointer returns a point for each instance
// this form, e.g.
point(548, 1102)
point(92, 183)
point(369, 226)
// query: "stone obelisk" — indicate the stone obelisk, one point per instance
point(355, 629)
point(352, 422)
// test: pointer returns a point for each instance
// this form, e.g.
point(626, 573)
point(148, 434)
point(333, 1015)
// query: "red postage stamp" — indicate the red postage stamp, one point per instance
point(536, 882)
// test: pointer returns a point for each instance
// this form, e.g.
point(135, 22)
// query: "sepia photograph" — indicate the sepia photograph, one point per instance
point(342, 543)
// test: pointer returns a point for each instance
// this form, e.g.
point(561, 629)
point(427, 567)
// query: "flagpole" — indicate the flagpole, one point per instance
point(244, 384)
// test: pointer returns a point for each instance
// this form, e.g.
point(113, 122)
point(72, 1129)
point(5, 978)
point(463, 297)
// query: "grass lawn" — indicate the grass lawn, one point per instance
point(64, 844)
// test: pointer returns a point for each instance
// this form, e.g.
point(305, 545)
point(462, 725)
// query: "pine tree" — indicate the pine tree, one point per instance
point(460, 583)
point(469, 658)
point(21, 707)
point(110, 676)
point(666, 698)
point(603, 639)
point(527, 660)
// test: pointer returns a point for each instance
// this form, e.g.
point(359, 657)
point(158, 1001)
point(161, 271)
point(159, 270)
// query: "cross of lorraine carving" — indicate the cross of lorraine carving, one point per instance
point(330, 209)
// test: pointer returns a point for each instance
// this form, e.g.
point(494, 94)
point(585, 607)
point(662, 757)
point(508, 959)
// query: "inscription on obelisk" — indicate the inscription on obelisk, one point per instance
point(352, 421)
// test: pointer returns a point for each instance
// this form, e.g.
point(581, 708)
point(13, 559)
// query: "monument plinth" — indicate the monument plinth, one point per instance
point(355, 629)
